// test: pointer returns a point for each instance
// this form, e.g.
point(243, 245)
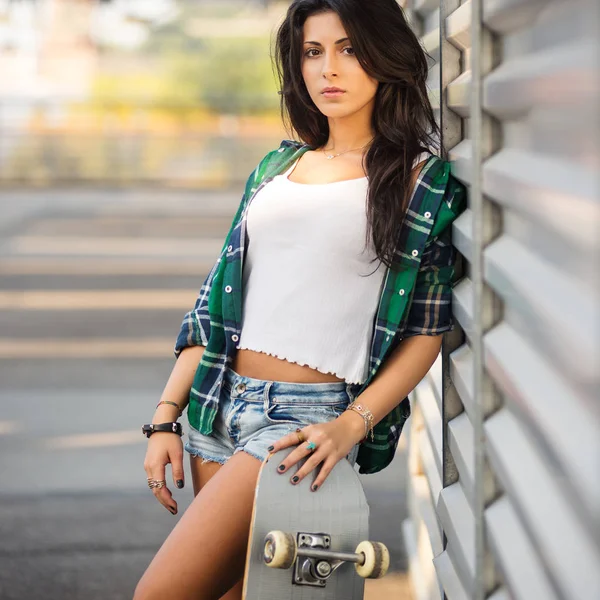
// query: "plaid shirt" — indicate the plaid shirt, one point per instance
point(415, 299)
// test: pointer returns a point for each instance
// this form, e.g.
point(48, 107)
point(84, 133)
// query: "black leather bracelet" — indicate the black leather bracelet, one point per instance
point(151, 428)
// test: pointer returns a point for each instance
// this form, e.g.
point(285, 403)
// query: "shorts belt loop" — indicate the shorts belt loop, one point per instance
point(350, 392)
point(266, 395)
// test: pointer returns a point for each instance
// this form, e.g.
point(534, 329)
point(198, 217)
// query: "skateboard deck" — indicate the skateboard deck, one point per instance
point(335, 517)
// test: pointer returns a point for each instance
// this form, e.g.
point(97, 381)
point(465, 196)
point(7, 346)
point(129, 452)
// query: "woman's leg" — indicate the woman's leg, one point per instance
point(205, 554)
point(201, 473)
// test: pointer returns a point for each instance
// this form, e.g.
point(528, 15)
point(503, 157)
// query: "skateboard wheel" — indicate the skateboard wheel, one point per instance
point(280, 550)
point(377, 560)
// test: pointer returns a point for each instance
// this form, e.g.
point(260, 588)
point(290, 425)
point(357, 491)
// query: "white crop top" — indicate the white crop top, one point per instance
point(310, 292)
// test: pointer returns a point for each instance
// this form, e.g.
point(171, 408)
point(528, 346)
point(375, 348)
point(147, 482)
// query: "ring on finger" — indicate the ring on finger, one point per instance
point(156, 483)
point(311, 446)
point(300, 435)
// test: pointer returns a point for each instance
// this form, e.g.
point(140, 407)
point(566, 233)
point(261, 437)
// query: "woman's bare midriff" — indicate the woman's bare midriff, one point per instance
point(258, 365)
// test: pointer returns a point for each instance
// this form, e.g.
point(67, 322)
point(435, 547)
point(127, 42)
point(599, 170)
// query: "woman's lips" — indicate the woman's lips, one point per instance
point(333, 94)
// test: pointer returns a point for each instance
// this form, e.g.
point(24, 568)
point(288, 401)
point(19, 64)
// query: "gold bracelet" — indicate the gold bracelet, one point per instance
point(172, 404)
point(367, 415)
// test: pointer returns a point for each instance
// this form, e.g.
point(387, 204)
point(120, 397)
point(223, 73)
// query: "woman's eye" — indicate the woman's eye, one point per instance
point(310, 50)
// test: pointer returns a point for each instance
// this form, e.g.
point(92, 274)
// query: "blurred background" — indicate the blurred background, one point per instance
point(179, 93)
point(127, 131)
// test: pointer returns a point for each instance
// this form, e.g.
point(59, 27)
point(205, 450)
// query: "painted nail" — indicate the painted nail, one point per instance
point(173, 511)
point(180, 483)
point(281, 467)
point(315, 487)
point(270, 448)
point(295, 478)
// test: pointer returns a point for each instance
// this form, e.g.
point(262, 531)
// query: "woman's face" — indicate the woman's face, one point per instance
point(328, 60)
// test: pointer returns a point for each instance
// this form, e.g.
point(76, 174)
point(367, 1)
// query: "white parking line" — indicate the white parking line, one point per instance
point(113, 246)
point(98, 299)
point(87, 348)
point(95, 440)
point(8, 427)
point(26, 265)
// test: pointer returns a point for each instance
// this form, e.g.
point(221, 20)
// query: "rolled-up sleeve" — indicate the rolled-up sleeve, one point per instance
point(430, 312)
point(195, 328)
point(431, 308)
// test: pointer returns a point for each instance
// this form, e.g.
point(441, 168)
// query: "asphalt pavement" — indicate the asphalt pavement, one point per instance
point(93, 286)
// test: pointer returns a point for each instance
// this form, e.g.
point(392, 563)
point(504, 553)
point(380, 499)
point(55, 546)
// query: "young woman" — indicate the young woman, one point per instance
point(328, 301)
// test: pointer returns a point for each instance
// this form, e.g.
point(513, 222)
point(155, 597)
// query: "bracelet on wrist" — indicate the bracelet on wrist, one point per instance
point(171, 404)
point(367, 416)
point(172, 427)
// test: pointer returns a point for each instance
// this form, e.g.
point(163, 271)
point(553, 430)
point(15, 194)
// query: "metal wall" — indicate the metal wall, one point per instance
point(504, 441)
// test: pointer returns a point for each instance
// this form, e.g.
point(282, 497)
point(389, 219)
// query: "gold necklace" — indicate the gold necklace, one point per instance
point(330, 156)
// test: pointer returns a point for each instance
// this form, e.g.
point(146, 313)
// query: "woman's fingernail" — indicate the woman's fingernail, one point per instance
point(173, 511)
point(180, 483)
point(295, 478)
point(281, 467)
point(315, 487)
point(270, 448)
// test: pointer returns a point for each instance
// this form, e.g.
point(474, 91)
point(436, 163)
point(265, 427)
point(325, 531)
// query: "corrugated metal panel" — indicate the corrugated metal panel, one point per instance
point(505, 437)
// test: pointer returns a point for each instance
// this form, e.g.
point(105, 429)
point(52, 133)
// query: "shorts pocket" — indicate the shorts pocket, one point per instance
point(304, 414)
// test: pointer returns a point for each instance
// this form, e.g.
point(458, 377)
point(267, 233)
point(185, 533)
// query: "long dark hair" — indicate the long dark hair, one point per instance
point(403, 120)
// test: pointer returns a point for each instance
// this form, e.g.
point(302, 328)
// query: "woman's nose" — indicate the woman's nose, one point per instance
point(329, 66)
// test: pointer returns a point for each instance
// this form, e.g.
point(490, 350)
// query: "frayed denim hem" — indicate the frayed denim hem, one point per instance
point(206, 459)
point(260, 458)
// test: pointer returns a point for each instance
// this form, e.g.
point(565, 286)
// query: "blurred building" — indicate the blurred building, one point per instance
point(80, 99)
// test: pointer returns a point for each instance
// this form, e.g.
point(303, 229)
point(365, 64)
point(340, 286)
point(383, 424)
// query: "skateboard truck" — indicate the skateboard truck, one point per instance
point(314, 562)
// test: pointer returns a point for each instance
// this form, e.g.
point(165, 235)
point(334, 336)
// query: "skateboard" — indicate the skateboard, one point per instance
point(307, 545)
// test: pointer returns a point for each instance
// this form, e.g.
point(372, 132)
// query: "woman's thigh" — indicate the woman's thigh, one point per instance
point(204, 556)
point(202, 472)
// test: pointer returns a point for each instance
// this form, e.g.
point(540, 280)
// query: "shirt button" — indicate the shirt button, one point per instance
point(427, 215)
point(415, 252)
point(401, 292)
point(228, 289)
point(235, 337)
point(229, 248)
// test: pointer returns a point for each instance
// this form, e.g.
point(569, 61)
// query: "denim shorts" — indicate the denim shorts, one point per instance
point(254, 413)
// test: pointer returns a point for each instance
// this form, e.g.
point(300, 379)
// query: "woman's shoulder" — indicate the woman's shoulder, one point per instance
point(272, 161)
point(285, 149)
point(437, 178)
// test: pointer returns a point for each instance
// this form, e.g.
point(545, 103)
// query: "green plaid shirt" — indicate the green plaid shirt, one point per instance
point(415, 299)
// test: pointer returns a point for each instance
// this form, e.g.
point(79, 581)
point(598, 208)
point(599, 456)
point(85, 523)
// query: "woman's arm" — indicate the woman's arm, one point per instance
point(396, 378)
point(177, 388)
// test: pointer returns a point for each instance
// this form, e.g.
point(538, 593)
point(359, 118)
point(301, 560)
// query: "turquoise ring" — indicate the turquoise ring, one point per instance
point(311, 446)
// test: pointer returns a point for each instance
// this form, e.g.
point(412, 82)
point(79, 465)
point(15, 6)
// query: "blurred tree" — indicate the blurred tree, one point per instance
point(230, 75)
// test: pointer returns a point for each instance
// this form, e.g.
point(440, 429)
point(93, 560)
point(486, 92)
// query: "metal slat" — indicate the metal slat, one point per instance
point(462, 305)
point(522, 569)
point(566, 323)
point(560, 194)
point(432, 419)
point(458, 522)
point(539, 394)
point(423, 509)
point(461, 372)
point(463, 451)
point(447, 575)
point(566, 548)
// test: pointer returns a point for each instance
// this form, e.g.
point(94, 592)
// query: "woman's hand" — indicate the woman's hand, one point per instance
point(333, 441)
point(164, 448)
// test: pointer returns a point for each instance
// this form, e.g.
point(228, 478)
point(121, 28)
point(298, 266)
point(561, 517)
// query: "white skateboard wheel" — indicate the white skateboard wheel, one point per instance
point(280, 550)
point(377, 560)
